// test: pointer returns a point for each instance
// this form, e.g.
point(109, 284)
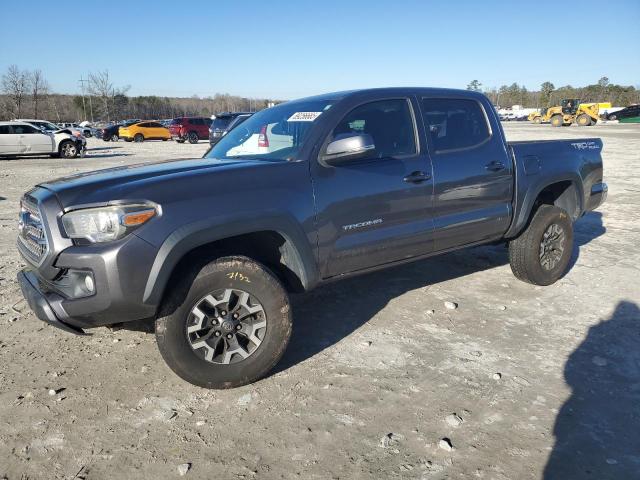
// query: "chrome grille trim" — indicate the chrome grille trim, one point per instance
point(32, 238)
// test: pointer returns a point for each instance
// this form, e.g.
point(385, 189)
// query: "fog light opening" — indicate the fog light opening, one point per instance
point(88, 283)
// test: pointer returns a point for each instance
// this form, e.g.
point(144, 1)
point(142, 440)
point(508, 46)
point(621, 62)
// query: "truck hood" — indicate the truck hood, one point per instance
point(102, 186)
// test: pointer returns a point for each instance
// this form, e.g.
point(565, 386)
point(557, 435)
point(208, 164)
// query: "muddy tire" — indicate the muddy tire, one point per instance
point(557, 120)
point(227, 325)
point(542, 252)
point(583, 120)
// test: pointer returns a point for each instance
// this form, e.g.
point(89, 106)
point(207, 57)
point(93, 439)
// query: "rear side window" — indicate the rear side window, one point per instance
point(389, 122)
point(176, 121)
point(454, 123)
point(5, 130)
point(22, 129)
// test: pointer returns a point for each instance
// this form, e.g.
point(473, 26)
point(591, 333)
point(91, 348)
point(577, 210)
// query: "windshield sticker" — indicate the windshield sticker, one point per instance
point(304, 116)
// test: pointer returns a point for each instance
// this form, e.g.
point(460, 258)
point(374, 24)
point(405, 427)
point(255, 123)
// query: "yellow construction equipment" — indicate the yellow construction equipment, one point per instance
point(539, 116)
point(572, 111)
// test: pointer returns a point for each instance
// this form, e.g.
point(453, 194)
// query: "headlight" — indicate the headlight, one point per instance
point(106, 224)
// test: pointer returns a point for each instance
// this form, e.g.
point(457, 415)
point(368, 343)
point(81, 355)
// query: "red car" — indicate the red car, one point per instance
point(190, 128)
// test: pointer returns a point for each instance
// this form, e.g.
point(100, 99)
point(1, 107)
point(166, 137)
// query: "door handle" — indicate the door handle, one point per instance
point(417, 177)
point(495, 166)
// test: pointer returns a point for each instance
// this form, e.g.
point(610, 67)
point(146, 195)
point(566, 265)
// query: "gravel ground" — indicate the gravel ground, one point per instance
point(381, 380)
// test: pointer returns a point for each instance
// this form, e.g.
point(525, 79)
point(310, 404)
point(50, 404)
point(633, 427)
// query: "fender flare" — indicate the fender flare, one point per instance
point(523, 214)
point(297, 250)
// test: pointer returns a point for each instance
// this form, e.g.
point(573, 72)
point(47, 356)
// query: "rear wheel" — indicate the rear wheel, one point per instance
point(115, 138)
point(537, 120)
point(583, 120)
point(138, 138)
point(542, 252)
point(557, 120)
point(180, 140)
point(193, 137)
point(229, 327)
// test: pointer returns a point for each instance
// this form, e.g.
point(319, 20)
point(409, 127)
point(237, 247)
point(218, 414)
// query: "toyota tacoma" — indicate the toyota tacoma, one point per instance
point(300, 194)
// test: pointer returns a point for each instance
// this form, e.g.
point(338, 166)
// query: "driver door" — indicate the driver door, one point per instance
point(376, 209)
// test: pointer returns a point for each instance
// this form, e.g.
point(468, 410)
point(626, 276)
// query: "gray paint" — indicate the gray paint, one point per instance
point(336, 220)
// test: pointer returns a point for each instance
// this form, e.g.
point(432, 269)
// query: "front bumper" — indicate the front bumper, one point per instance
point(120, 272)
point(40, 305)
point(598, 196)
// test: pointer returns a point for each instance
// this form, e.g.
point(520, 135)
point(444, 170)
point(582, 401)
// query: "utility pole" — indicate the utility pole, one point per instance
point(82, 81)
point(84, 107)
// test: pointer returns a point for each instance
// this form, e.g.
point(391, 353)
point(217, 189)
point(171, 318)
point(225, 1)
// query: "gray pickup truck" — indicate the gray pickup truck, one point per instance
point(300, 194)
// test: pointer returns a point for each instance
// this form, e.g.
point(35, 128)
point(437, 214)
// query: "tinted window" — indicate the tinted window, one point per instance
point(176, 121)
point(197, 121)
point(153, 125)
point(23, 129)
point(221, 123)
point(389, 122)
point(453, 123)
point(5, 130)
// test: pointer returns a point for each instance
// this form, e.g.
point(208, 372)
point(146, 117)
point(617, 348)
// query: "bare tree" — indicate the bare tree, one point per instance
point(100, 85)
point(39, 89)
point(15, 84)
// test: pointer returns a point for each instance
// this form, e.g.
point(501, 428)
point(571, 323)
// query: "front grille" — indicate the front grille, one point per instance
point(31, 237)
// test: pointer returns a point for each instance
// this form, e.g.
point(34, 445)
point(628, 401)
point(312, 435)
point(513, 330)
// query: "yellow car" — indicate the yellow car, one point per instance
point(139, 132)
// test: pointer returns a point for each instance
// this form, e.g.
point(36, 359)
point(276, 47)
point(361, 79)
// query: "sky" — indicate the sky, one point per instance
point(289, 49)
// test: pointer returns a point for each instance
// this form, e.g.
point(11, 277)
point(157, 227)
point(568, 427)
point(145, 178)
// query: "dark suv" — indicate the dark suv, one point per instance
point(189, 128)
point(225, 122)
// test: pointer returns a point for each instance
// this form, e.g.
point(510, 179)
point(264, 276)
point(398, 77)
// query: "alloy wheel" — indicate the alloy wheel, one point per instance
point(552, 246)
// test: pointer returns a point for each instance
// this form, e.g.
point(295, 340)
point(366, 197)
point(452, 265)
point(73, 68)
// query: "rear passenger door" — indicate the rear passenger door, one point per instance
point(473, 174)
point(8, 140)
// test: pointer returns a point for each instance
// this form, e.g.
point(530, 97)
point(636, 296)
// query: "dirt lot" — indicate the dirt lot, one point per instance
point(524, 382)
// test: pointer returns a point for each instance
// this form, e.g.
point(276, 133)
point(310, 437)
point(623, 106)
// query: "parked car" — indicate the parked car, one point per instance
point(22, 138)
point(219, 131)
point(366, 180)
point(222, 121)
point(139, 132)
point(629, 114)
point(86, 131)
point(110, 133)
point(189, 128)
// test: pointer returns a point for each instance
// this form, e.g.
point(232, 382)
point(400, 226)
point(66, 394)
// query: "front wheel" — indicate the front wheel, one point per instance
point(557, 120)
point(542, 252)
point(583, 120)
point(68, 149)
point(193, 137)
point(115, 138)
point(228, 328)
point(537, 120)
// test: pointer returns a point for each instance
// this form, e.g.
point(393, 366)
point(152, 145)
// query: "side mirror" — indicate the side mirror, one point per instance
point(347, 147)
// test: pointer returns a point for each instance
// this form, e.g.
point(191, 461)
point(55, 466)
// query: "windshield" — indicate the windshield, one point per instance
point(46, 126)
point(274, 134)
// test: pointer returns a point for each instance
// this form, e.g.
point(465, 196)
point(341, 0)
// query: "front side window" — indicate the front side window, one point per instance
point(454, 123)
point(275, 134)
point(389, 122)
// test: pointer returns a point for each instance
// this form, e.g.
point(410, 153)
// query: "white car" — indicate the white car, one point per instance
point(22, 138)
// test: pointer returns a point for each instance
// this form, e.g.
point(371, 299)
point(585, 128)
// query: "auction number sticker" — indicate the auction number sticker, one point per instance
point(304, 116)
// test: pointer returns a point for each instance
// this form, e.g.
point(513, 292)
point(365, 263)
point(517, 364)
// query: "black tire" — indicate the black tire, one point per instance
point(537, 120)
point(138, 138)
point(180, 140)
point(527, 257)
point(193, 137)
point(165, 139)
point(613, 116)
point(583, 120)
point(128, 139)
point(228, 273)
point(68, 149)
point(115, 138)
point(557, 120)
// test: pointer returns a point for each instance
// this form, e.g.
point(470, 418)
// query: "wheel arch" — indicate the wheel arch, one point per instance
point(285, 252)
point(563, 192)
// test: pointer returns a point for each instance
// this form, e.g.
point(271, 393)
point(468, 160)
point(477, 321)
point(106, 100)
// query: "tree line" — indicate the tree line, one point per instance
point(25, 93)
point(548, 95)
